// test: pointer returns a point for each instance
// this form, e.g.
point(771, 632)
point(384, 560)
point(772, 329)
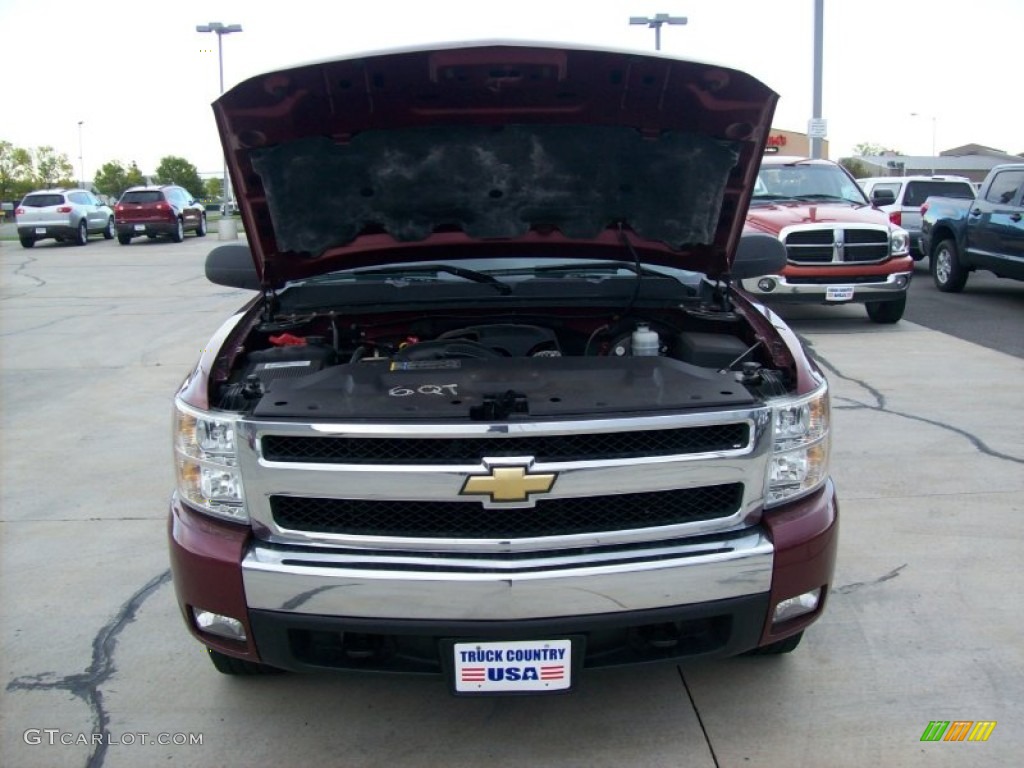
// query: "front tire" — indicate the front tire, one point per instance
point(229, 665)
point(82, 235)
point(886, 312)
point(201, 229)
point(947, 272)
point(179, 232)
point(109, 231)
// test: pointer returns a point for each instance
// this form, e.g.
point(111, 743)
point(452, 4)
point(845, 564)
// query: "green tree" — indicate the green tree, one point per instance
point(868, 149)
point(15, 171)
point(113, 178)
point(178, 170)
point(212, 189)
point(52, 168)
point(858, 168)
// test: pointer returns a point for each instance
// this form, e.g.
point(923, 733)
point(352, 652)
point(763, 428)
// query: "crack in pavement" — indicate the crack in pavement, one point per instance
point(848, 588)
point(39, 282)
point(700, 720)
point(86, 685)
point(881, 407)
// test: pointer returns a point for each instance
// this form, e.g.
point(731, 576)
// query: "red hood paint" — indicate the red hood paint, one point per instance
point(771, 218)
point(330, 161)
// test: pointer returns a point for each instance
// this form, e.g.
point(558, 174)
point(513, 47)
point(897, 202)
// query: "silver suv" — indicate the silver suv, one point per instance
point(63, 214)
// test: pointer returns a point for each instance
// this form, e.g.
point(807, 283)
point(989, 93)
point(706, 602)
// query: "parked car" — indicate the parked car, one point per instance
point(496, 411)
point(840, 248)
point(961, 236)
point(159, 210)
point(909, 193)
point(63, 214)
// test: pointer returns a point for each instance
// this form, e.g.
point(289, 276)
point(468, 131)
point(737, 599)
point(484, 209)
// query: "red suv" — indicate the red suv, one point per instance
point(164, 210)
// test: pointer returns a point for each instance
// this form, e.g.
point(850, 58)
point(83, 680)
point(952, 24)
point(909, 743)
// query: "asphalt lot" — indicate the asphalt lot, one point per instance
point(988, 312)
point(921, 625)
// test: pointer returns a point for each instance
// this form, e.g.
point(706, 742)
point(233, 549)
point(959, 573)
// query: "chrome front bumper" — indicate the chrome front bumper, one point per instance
point(886, 287)
point(499, 587)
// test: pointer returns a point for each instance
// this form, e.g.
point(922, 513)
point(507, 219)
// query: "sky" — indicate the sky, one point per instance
point(132, 80)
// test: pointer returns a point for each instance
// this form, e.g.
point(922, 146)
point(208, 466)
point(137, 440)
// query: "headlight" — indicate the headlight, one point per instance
point(899, 242)
point(800, 447)
point(206, 461)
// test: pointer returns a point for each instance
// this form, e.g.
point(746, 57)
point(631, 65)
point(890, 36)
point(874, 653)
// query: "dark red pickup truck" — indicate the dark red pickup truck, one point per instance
point(961, 236)
point(497, 409)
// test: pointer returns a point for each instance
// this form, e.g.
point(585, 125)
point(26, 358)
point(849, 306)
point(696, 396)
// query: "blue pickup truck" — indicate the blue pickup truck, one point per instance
point(961, 236)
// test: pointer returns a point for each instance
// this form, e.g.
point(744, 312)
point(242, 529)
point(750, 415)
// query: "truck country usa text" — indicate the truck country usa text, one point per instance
point(513, 654)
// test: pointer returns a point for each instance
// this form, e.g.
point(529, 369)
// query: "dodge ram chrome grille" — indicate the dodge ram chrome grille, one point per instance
point(578, 447)
point(836, 245)
point(549, 517)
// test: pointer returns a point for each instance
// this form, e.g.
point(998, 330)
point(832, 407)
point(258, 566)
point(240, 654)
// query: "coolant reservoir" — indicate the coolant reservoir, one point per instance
point(645, 342)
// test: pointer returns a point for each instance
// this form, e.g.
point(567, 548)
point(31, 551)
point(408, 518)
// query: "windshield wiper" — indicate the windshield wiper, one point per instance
point(769, 196)
point(467, 274)
point(599, 266)
point(824, 197)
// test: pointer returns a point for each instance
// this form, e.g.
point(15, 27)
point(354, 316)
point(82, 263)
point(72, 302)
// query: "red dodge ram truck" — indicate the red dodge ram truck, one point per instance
point(497, 409)
point(840, 248)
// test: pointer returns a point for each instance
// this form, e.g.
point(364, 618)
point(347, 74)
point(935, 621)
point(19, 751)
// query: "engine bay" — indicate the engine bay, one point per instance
point(465, 365)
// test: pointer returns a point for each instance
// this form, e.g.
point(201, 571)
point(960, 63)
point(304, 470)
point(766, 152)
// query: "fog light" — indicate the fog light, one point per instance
point(901, 281)
point(796, 606)
point(218, 624)
point(766, 284)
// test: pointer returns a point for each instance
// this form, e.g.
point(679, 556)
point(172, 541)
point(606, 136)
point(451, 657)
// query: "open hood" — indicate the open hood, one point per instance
point(489, 149)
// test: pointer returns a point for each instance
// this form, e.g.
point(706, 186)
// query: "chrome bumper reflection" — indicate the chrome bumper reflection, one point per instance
point(356, 584)
point(886, 285)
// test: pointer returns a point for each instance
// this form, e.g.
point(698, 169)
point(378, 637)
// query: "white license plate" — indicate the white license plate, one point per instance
point(140, 227)
point(839, 293)
point(522, 665)
point(40, 230)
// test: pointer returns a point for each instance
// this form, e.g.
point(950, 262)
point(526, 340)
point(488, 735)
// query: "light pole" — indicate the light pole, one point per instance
point(918, 114)
point(221, 30)
point(655, 23)
point(81, 162)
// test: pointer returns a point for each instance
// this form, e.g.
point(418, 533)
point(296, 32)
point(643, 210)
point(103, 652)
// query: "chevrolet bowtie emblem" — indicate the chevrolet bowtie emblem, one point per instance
point(508, 484)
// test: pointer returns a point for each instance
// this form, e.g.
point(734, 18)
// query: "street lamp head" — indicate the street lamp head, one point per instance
point(219, 28)
point(657, 20)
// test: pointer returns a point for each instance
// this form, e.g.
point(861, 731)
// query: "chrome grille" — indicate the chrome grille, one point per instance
point(467, 520)
point(544, 448)
point(619, 480)
point(839, 245)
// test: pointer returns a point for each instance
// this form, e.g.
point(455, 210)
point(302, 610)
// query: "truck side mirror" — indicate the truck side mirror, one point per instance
point(232, 265)
point(882, 197)
point(757, 255)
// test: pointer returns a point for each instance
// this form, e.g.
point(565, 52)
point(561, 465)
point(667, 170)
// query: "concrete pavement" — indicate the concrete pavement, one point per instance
point(922, 623)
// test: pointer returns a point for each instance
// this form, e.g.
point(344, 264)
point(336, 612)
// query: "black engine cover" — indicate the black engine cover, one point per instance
point(540, 387)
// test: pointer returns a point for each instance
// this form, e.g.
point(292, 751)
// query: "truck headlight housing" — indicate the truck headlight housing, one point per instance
point(206, 462)
point(899, 242)
point(800, 446)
